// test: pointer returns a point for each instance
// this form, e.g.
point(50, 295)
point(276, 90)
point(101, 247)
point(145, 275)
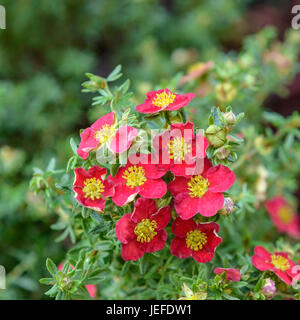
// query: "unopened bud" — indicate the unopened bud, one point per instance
point(225, 92)
point(223, 153)
point(227, 207)
point(269, 289)
point(216, 135)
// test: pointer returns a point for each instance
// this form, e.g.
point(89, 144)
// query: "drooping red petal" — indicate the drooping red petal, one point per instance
point(143, 209)
point(123, 139)
point(157, 243)
point(284, 277)
point(181, 227)
point(231, 273)
point(132, 251)
point(220, 178)
point(162, 217)
point(210, 203)
point(185, 206)
point(154, 189)
point(179, 249)
point(125, 229)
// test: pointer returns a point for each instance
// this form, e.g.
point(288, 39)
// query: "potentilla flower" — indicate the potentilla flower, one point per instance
point(91, 288)
point(283, 217)
point(278, 262)
point(91, 189)
point(138, 177)
point(164, 99)
point(202, 193)
point(232, 274)
point(180, 150)
point(104, 131)
point(143, 231)
point(196, 240)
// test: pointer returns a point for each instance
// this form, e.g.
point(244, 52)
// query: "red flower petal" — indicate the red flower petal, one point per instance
point(97, 204)
point(162, 217)
point(132, 251)
point(178, 185)
point(220, 178)
point(180, 101)
point(208, 227)
point(143, 209)
point(260, 263)
point(97, 172)
point(87, 143)
point(108, 119)
point(210, 203)
point(202, 256)
point(184, 130)
point(123, 139)
point(157, 243)
point(80, 176)
point(185, 206)
point(179, 249)
point(125, 229)
point(154, 189)
point(283, 276)
point(124, 194)
point(181, 227)
point(262, 252)
point(231, 273)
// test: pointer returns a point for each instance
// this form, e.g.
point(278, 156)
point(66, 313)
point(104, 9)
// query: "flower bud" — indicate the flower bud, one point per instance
point(225, 92)
point(227, 207)
point(229, 119)
point(222, 153)
point(269, 289)
point(216, 135)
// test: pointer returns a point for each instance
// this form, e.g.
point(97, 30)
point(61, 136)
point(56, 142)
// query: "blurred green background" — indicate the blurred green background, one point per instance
point(46, 49)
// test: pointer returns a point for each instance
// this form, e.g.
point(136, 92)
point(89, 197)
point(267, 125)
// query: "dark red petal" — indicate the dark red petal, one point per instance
point(143, 209)
point(208, 227)
point(132, 251)
point(210, 203)
point(123, 194)
point(123, 139)
point(202, 256)
point(181, 227)
point(213, 241)
point(185, 206)
point(220, 178)
point(108, 119)
point(179, 249)
point(162, 217)
point(125, 229)
point(157, 243)
point(80, 176)
point(154, 189)
point(178, 185)
point(98, 172)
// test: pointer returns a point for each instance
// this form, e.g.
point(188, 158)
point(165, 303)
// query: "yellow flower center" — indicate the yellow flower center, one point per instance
point(105, 133)
point(134, 176)
point(285, 214)
point(198, 186)
point(279, 262)
point(178, 149)
point(195, 240)
point(145, 230)
point(93, 188)
point(163, 99)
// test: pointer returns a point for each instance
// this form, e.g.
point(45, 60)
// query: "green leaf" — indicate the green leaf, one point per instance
point(51, 267)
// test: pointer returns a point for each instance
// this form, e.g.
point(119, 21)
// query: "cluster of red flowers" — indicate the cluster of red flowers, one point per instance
point(196, 188)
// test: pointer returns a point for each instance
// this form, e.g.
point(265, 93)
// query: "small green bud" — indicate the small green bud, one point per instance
point(216, 135)
point(222, 153)
point(230, 119)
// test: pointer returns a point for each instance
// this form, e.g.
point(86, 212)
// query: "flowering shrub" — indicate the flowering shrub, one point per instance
point(167, 195)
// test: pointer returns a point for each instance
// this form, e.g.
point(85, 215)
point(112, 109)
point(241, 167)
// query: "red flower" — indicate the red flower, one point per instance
point(231, 273)
point(164, 99)
point(91, 288)
point(103, 131)
point(138, 177)
point(179, 150)
point(285, 220)
point(91, 190)
point(143, 231)
point(201, 193)
point(196, 240)
point(277, 262)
